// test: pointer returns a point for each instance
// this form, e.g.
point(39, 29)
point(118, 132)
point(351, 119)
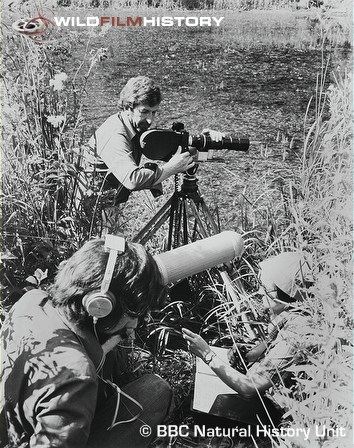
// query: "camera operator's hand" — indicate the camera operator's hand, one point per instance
point(196, 343)
point(179, 163)
point(214, 135)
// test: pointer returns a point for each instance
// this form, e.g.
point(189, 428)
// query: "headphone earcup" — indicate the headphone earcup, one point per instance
point(99, 304)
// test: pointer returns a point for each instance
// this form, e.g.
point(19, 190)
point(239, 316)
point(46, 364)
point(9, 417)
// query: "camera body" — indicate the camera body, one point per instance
point(162, 144)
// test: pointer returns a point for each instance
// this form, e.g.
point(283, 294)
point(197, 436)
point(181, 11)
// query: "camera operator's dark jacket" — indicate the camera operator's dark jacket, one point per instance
point(115, 150)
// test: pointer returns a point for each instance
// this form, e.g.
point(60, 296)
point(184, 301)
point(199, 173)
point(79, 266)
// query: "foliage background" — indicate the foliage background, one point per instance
point(279, 76)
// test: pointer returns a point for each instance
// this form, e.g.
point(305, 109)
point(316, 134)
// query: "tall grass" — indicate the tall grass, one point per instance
point(318, 221)
point(42, 223)
point(311, 212)
point(322, 221)
point(43, 181)
point(200, 4)
point(234, 5)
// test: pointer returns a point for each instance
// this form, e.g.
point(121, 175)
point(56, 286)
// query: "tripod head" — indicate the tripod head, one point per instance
point(189, 187)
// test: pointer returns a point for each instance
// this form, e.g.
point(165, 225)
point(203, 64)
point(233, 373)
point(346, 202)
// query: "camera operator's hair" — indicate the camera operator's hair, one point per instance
point(136, 283)
point(139, 90)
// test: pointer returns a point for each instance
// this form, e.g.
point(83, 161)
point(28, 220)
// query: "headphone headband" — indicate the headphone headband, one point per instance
point(116, 245)
point(101, 302)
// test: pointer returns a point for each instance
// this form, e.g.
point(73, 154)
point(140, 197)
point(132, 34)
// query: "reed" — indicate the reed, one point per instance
point(318, 222)
point(309, 209)
point(43, 178)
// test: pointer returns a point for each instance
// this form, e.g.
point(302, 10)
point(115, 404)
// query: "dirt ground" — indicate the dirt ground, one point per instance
point(217, 80)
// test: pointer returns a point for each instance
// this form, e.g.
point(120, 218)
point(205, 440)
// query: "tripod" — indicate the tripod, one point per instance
point(190, 219)
point(189, 216)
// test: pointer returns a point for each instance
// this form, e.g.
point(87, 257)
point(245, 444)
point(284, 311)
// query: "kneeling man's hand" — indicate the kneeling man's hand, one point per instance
point(196, 343)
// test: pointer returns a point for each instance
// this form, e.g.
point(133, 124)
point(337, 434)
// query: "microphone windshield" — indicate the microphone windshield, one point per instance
point(196, 257)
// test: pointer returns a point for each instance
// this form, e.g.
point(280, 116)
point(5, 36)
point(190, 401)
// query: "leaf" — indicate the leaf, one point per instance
point(33, 280)
point(40, 275)
point(7, 256)
point(10, 218)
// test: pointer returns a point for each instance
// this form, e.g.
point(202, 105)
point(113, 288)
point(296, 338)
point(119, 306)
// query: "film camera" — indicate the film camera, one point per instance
point(186, 204)
point(162, 144)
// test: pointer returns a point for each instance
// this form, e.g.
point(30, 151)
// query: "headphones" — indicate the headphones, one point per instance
point(100, 303)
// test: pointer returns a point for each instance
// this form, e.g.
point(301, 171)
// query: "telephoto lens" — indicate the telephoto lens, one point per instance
point(162, 144)
point(232, 142)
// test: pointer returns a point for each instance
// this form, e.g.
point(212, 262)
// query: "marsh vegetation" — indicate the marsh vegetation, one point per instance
point(279, 76)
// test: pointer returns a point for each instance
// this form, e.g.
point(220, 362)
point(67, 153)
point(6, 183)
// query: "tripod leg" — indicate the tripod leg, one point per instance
point(209, 216)
point(172, 222)
point(209, 226)
point(180, 229)
point(198, 221)
point(195, 225)
point(155, 223)
point(185, 224)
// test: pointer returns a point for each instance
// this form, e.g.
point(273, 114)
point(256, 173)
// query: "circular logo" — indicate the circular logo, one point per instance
point(145, 431)
point(36, 29)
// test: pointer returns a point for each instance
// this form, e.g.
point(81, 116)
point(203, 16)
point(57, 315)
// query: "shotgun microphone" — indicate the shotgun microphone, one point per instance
point(196, 257)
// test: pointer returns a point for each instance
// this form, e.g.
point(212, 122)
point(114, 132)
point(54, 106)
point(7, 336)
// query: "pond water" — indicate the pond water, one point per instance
point(255, 76)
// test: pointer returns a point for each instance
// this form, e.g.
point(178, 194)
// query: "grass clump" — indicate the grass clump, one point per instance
point(318, 221)
point(43, 181)
point(322, 223)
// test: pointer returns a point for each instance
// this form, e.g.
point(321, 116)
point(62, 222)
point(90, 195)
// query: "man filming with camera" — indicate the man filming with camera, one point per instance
point(115, 148)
